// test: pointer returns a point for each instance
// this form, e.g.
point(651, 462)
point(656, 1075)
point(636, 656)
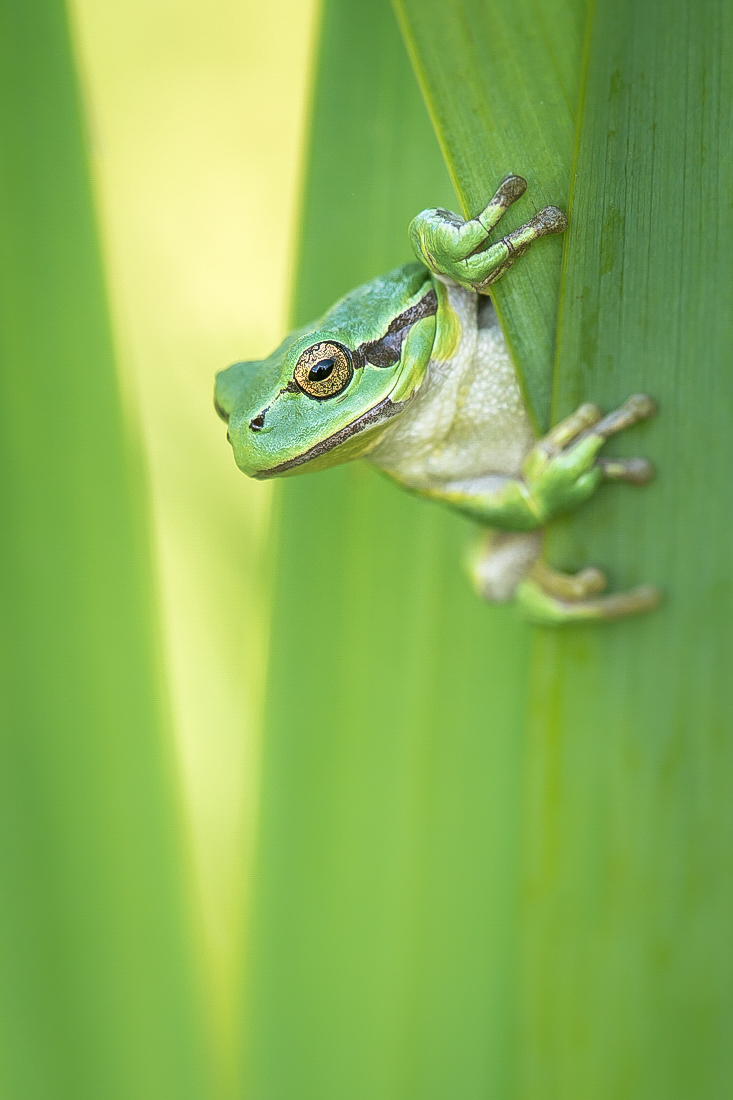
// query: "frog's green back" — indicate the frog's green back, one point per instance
point(365, 313)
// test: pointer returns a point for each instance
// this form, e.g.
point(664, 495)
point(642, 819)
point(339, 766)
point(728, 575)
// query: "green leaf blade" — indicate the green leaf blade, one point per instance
point(628, 963)
point(501, 82)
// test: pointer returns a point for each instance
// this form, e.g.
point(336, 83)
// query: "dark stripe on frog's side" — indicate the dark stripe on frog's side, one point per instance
point(383, 411)
point(426, 307)
point(385, 351)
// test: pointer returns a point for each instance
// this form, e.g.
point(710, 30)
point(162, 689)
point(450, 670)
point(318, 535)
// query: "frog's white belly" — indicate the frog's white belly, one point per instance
point(468, 419)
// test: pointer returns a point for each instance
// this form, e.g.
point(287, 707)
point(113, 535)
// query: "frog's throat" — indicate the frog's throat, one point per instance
point(385, 410)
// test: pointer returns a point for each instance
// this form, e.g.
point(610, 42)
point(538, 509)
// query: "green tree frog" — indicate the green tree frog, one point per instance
point(411, 372)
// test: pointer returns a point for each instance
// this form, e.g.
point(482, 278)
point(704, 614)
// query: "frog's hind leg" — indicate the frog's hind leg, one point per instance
point(568, 586)
point(548, 597)
point(500, 560)
point(456, 250)
point(507, 565)
point(503, 561)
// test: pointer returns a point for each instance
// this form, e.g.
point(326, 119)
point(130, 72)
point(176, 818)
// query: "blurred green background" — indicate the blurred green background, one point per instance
point(285, 811)
point(197, 122)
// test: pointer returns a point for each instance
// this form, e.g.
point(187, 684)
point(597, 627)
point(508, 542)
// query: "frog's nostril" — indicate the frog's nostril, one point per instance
point(257, 423)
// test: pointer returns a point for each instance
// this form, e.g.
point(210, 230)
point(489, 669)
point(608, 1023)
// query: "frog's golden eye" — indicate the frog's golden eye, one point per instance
point(324, 370)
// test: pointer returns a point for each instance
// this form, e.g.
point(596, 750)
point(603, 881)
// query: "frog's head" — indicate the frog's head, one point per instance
point(328, 392)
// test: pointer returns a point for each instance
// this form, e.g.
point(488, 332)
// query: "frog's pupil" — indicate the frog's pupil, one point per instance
point(321, 371)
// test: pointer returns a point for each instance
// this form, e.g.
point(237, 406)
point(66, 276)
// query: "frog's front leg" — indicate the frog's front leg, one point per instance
point(563, 469)
point(560, 472)
point(456, 249)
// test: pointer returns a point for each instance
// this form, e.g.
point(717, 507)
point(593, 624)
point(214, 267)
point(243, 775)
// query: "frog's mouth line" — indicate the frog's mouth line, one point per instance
point(386, 409)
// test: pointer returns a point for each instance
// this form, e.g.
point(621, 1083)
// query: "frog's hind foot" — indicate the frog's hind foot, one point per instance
point(568, 586)
point(550, 598)
point(507, 565)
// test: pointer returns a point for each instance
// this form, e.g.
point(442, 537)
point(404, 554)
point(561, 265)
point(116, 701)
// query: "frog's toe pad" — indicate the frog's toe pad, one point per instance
point(542, 608)
point(549, 220)
point(635, 471)
point(511, 188)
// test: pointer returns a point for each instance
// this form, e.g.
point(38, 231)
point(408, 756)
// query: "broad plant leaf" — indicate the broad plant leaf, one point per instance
point(629, 968)
point(98, 996)
point(438, 913)
point(501, 81)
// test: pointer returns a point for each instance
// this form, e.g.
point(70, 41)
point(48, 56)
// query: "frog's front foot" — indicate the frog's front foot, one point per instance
point(562, 470)
point(457, 250)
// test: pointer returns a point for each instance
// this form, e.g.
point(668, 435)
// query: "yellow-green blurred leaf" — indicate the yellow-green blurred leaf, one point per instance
point(98, 994)
point(196, 157)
